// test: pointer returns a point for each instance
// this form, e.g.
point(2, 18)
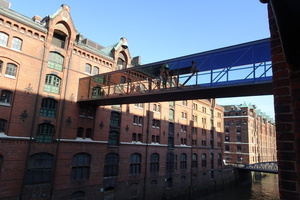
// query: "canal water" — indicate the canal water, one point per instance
point(264, 189)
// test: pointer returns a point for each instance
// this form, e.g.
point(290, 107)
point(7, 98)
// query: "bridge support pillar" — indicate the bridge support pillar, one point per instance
point(284, 25)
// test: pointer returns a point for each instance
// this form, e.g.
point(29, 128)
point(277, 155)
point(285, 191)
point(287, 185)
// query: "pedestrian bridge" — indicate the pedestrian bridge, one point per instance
point(239, 70)
point(269, 167)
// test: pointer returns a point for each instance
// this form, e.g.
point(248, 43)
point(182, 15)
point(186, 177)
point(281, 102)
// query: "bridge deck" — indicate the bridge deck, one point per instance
point(241, 70)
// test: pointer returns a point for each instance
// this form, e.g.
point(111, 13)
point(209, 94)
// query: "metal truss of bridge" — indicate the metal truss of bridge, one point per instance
point(240, 70)
point(269, 167)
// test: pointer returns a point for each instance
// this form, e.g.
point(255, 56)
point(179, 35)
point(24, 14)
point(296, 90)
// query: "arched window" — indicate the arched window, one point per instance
point(55, 61)
point(5, 97)
point(81, 167)
point(121, 63)
point(78, 195)
point(183, 158)
point(111, 167)
point(11, 70)
point(16, 43)
point(3, 39)
point(154, 163)
point(95, 70)
point(194, 161)
point(203, 160)
point(3, 123)
point(45, 133)
point(39, 169)
point(170, 162)
point(88, 68)
point(52, 84)
point(135, 163)
point(48, 108)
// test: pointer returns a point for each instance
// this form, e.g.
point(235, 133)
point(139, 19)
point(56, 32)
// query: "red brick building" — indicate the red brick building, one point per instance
point(54, 148)
point(250, 135)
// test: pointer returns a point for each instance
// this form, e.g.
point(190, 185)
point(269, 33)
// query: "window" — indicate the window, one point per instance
point(59, 39)
point(88, 68)
point(158, 108)
point(203, 160)
point(55, 61)
point(169, 183)
point(140, 121)
point(97, 92)
point(183, 159)
point(16, 43)
point(80, 195)
point(227, 148)
point(81, 167)
point(183, 115)
point(219, 160)
point(226, 138)
point(238, 138)
point(3, 39)
point(5, 97)
point(45, 133)
point(1, 161)
point(135, 120)
point(113, 139)
point(135, 164)
point(88, 133)
point(3, 123)
point(1, 64)
point(11, 70)
point(95, 70)
point(155, 123)
point(52, 84)
point(115, 119)
point(48, 108)
point(154, 107)
point(154, 163)
point(184, 102)
point(139, 139)
point(239, 148)
point(40, 168)
point(80, 131)
point(194, 161)
point(171, 114)
point(111, 167)
point(170, 162)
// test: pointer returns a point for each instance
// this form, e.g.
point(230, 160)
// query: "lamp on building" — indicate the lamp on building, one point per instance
point(127, 128)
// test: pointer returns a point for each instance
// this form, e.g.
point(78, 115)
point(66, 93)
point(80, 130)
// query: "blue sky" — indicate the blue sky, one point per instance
point(159, 30)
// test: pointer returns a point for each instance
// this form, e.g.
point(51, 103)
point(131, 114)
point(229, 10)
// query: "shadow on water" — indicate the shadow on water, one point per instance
point(264, 189)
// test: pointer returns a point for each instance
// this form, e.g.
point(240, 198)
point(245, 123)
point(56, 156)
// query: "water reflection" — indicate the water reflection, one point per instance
point(264, 189)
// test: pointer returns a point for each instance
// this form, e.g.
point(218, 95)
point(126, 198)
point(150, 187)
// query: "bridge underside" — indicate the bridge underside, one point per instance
point(189, 92)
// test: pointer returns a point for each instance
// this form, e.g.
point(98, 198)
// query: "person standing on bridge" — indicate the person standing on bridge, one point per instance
point(164, 74)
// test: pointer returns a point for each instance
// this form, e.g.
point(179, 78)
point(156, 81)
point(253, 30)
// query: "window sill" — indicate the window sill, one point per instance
point(9, 76)
point(5, 104)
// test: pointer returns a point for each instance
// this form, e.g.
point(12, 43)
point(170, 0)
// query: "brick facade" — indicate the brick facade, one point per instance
point(54, 148)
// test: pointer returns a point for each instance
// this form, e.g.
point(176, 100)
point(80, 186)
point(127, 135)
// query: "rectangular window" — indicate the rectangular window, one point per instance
point(2, 125)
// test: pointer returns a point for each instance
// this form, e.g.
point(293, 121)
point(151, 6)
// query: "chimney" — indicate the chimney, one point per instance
point(5, 4)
